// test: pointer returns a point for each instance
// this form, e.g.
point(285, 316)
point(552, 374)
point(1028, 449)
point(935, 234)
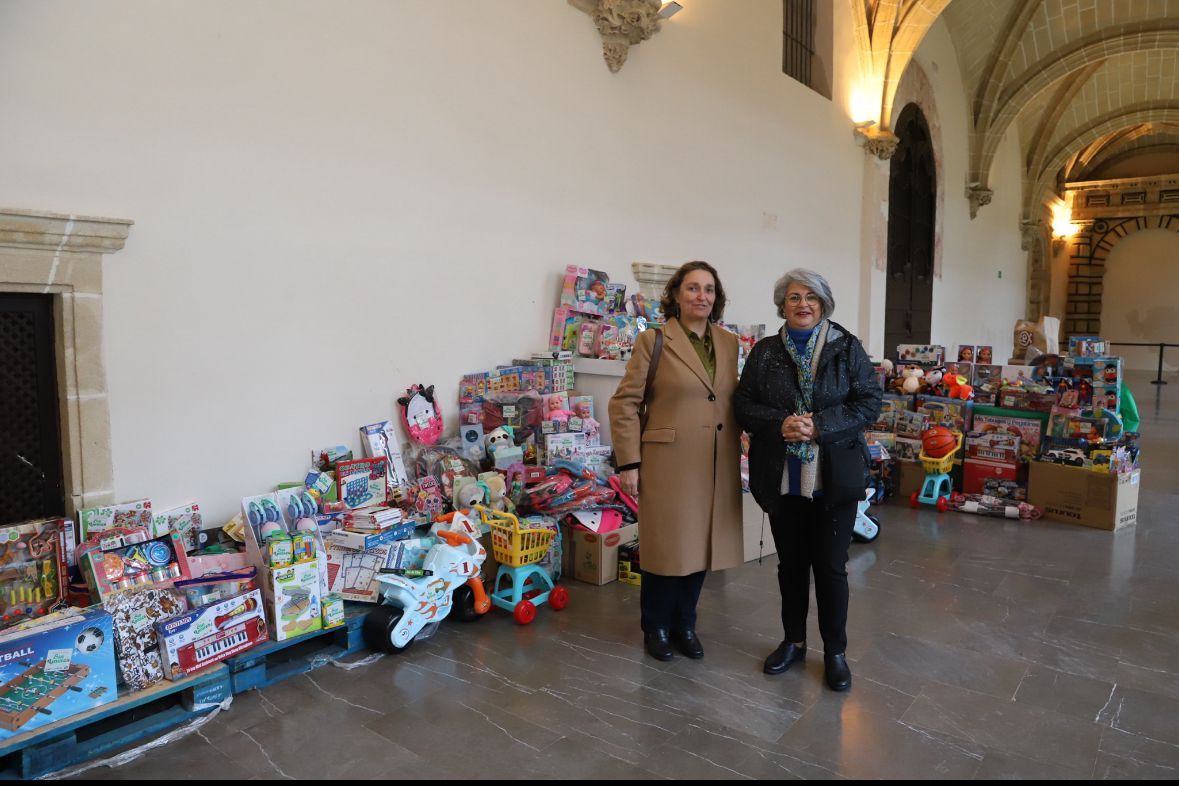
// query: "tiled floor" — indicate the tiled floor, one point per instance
point(981, 648)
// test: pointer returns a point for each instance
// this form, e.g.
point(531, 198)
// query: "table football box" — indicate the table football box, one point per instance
point(209, 634)
point(54, 667)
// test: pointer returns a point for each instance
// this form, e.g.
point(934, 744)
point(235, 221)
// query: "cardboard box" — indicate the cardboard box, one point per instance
point(593, 558)
point(910, 475)
point(54, 667)
point(1079, 496)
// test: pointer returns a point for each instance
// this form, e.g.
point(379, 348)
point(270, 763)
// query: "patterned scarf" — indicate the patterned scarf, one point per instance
point(804, 365)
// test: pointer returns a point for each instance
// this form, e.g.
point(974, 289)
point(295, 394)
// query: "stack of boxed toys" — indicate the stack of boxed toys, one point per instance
point(133, 562)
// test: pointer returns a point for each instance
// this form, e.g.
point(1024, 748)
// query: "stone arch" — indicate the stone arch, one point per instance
point(1086, 266)
point(915, 88)
point(1121, 39)
point(1041, 178)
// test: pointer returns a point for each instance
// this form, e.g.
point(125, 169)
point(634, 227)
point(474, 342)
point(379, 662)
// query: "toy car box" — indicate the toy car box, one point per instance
point(54, 667)
point(189, 642)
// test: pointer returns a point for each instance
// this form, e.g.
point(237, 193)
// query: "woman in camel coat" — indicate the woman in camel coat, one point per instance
point(685, 465)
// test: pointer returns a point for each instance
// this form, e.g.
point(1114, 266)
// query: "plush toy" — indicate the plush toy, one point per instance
point(886, 364)
point(500, 437)
point(934, 376)
point(496, 488)
point(956, 387)
point(468, 492)
point(911, 379)
point(423, 418)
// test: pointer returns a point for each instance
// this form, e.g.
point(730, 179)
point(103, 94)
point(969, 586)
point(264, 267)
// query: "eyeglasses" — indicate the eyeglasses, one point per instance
point(796, 300)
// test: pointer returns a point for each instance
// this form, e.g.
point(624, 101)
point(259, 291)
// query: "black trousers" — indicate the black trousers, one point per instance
point(812, 537)
point(669, 602)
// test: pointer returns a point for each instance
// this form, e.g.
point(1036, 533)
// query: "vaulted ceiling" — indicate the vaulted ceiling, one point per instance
point(1085, 83)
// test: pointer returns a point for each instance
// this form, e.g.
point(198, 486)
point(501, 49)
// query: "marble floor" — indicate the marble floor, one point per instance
point(981, 648)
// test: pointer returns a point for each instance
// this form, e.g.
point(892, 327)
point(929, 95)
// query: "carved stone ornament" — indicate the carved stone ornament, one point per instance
point(979, 196)
point(879, 142)
point(622, 24)
point(1030, 233)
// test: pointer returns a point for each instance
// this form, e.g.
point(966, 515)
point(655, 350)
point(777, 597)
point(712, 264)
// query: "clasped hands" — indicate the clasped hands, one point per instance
point(798, 428)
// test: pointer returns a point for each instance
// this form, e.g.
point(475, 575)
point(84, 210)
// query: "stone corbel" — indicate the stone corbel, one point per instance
point(877, 141)
point(1030, 233)
point(622, 24)
point(979, 196)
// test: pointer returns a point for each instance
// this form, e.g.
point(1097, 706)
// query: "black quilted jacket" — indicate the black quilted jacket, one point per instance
point(846, 399)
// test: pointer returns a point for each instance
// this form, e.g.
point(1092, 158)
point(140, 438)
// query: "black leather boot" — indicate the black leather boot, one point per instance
point(658, 644)
point(836, 671)
point(687, 643)
point(787, 653)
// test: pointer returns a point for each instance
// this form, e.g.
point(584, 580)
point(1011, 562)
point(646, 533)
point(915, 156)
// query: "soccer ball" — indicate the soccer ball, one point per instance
point(89, 640)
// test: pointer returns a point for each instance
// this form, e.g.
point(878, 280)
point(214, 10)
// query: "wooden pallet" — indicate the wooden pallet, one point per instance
point(129, 720)
point(276, 661)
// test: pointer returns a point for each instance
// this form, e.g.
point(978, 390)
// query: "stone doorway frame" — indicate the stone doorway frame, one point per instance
point(62, 255)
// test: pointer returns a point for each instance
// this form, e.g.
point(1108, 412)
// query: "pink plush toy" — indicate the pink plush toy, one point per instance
point(423, 418)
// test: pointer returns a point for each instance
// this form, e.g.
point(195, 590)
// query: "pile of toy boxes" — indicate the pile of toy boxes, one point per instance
point(151, 620)
point(1024, 427)
point(595, 318)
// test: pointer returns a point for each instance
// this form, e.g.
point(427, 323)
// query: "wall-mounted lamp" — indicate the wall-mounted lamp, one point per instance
point(1062, 226)
point(669, 9)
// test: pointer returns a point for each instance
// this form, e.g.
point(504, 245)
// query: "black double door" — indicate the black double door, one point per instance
point(30, 444)
point(912, 201)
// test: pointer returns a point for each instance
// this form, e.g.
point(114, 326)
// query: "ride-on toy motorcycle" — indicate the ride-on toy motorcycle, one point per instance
point(413, 605)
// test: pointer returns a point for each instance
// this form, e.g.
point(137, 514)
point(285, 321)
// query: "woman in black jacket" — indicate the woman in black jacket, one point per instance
point(805, 397)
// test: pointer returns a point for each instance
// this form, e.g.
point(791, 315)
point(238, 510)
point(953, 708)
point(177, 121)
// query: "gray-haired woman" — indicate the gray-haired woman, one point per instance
point(805, 397)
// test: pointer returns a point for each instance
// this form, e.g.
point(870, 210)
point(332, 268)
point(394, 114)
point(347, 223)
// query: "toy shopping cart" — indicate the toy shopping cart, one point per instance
point(518, 550)
point(937, 486)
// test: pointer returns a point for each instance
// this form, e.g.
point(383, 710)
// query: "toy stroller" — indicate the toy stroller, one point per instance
point(413, 606)
point(518, 550)
point(937, 487)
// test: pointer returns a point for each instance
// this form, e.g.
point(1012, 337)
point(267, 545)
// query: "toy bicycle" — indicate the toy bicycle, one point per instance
point(413, 605)
point(866, 527)
point(518, 549)
point(937, 487)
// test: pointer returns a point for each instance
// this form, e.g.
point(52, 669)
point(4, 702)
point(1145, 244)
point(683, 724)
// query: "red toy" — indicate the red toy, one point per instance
point(938, 442)
point(956, 387)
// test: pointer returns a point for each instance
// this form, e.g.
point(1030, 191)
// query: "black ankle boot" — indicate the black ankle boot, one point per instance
point(836, 671)
point(787, 653)
point(658, 644)
point(688, 643)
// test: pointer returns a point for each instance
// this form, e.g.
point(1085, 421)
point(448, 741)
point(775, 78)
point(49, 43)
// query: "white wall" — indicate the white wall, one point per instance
point(983, 286)
point(335, 200)
point(1138, 300)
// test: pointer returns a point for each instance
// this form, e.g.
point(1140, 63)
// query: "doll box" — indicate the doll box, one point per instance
point(55, 667)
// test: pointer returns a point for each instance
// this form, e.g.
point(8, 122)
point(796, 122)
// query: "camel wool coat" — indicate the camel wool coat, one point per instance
point(690, 453)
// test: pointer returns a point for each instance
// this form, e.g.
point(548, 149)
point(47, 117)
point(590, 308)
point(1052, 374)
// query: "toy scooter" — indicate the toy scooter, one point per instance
point(414, 605)
point(866, 527)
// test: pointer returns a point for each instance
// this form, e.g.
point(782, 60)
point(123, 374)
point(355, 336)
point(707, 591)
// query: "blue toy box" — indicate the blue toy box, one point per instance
point(55, 667)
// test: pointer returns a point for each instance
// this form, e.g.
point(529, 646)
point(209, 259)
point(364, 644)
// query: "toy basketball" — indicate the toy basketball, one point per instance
point(938, 442)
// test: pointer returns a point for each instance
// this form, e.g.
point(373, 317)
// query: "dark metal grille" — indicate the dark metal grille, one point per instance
point(798, 39)
point(30, 450)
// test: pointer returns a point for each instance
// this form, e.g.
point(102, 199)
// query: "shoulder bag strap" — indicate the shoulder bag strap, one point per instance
point(656, 352)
